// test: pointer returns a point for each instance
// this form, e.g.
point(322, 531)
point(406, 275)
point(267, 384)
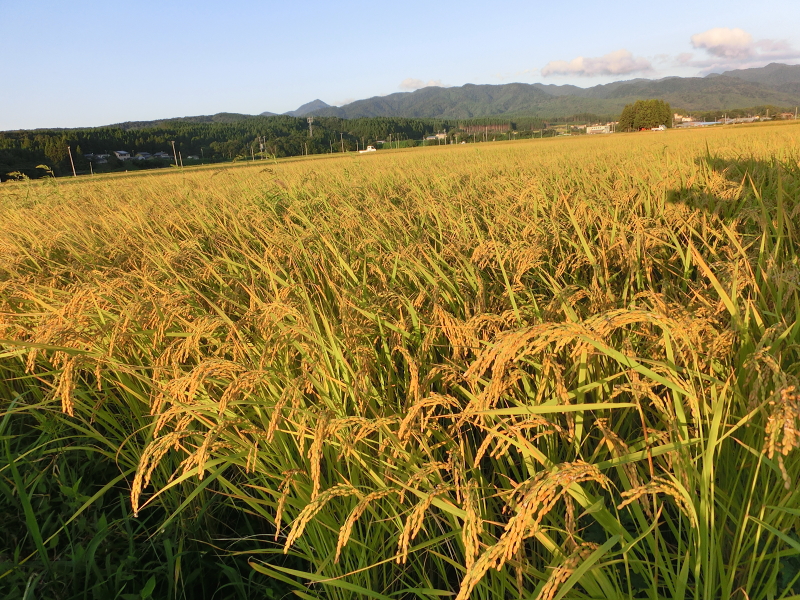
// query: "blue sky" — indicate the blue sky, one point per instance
point(71, 64)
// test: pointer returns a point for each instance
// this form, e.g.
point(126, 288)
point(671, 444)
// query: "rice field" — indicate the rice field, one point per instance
point(545, 369)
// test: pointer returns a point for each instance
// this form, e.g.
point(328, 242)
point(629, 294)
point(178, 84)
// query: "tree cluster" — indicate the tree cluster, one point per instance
point(764, 110)
point(275, 136)
point(645, 114)
point(228, 137)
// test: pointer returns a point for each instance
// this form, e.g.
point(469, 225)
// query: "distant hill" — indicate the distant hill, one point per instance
point(456, 102)
point(773, 75)
point(774, 84)
point(315, 106)
point(217, 118)
point(308, 108)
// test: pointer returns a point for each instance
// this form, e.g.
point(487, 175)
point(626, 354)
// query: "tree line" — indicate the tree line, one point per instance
point(764, 111)
point(24, 152)
point(279, 136)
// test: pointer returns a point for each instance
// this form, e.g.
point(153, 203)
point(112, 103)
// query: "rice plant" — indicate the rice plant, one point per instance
point(547, 369)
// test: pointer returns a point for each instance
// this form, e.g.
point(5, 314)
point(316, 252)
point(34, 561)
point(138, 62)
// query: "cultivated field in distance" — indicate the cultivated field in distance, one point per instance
point(547, 369)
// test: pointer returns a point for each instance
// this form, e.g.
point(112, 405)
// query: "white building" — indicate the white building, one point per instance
point(598, 129)
point(122, 155)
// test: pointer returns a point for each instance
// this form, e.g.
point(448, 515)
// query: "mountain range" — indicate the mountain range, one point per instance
point(776, 84)
point(773, 85)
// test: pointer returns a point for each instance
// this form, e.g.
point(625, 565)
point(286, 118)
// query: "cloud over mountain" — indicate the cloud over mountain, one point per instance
point(621, 62)
point(736, 48)
point(724, 42)
point(410, 84)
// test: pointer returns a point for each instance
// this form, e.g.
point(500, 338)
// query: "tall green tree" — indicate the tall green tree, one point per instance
point(645, 114)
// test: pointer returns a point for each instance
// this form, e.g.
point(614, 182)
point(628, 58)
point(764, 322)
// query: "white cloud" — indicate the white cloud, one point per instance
point(343, 102)
point(410, 84)
point(724, 42)
point(621, 62)
point(776, 49)
point(735, 49)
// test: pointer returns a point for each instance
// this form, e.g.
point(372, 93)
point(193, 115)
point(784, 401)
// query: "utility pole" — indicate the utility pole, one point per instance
point(310, 126)
point(72, 162)
point(174, 153)
point(341, 139)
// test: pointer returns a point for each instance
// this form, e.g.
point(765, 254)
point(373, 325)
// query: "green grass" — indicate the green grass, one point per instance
point(559, 369)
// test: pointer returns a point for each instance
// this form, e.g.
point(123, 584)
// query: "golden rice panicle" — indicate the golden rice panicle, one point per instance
point(208, 446)
point(347, 528)
point(617, 447)
point(534, 500)
point(473, 523)
point(315, 452)
point(311, 509)
point(562, 572)
point(242, 385)
point(201, 328)
point(460, 335)
point(414, 523)
point(422, 476)
point(66, 382)
point(284, 491)
point(413, 368)
point(151, 457)
point(277, 411)
point(660, 485)
point(418, 409)
point(570, 525)
point(371, 426)
point(783, 429)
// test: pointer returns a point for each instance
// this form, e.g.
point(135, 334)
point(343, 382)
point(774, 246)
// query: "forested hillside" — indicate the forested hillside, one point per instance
point(225, 138)
point(775, 85)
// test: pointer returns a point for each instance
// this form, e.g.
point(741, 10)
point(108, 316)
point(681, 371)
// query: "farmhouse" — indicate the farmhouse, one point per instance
point(97, 159)
point(496, 128)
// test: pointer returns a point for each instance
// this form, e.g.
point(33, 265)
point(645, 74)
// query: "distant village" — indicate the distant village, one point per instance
point(688, 121)
point(678, 121)
point(682, 121)
point(122, 155)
